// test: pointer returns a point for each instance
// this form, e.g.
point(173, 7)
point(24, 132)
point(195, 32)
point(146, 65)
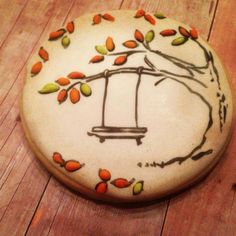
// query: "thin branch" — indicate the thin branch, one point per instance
point(184, 76)
point(128, 53)
point(133, 70)
point(149, 63)
point(92, 77)
point(159, 81)
point(178, 62)
point(199, 146)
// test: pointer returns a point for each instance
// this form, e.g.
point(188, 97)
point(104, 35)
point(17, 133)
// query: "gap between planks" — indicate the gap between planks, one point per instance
point(213, 18)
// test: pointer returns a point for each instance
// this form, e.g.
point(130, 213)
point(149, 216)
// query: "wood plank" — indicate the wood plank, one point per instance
point(8, 16)
point(46, 211)
point(10, 149)
point(148, 5)
point(213, 200)
point(86, 217)
point(14, 171)
point(21, 38)
point(19, 211)
point(223, 36)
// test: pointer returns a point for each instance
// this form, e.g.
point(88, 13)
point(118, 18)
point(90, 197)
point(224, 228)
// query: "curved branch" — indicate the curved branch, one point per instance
point(128, 53)
point(181, 159)
point(184, 76)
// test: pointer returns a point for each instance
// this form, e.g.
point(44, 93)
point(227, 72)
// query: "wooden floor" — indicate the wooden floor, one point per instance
point(32, 202)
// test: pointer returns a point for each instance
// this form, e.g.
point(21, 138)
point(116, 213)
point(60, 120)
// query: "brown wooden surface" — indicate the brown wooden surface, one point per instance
point(34, 203)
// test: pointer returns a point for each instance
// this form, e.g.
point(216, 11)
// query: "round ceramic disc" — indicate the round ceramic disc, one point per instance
point(126, 105)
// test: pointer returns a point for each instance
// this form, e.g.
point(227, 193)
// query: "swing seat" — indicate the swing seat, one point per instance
point(110, 132)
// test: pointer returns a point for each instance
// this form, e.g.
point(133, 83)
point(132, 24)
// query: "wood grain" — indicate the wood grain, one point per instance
point(12, 13)
point(32, 203)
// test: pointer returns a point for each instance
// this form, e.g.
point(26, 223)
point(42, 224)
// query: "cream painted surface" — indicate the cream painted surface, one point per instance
point(175, 117)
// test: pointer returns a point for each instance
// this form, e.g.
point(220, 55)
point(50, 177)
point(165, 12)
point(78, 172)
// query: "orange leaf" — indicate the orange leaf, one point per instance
point(101, 187)
point(43, 54)
point(74, 95)
point(130, 44)
point(97, 19)
point(104, 174)
point(108, 17)
point(36, 68)
point(72, 165)
point(110, 44)
point(70, 27)
point(62, 96)
point(63, 81)
point(168, 32)
point(194, 33)
point(120, 60)
point(122, 183)
point(57, 157)
point(97, 59)
point(138, 36)
point(184, 32)
point(76, 75)
point(150, 19)
point(57, 34)
point(139, 13)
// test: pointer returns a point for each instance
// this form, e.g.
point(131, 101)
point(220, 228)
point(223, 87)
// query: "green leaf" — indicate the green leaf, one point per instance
point(159, 15)
point(138, 188)
point(101, 49)
point(179, 41)
point(149, 36)
point(65, 41)
point(85, 89)
point(49, 88)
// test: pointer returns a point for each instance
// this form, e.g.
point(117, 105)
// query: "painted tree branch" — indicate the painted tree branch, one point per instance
point(178, 62)
point(131, 70)
point(181, 159)
point(221, 97)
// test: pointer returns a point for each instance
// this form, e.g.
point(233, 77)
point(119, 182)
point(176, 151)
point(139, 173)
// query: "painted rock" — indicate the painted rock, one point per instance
point(156, 110)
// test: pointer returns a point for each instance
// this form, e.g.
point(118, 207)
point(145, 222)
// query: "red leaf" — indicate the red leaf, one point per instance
point(108, 17)
point(168, 32)
point(76, 75)
point(138, 36)
point(139, 13)
point(122, 183)
point(97, 59)
point(120, 60)
point(150, 19)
